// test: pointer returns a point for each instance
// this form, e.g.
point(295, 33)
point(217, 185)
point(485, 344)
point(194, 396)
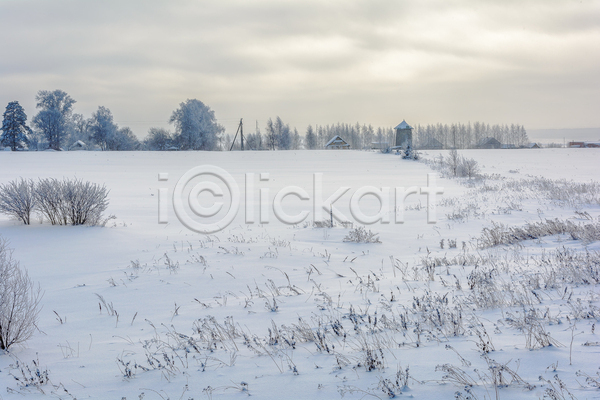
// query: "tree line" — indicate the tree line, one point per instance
point(56, 126)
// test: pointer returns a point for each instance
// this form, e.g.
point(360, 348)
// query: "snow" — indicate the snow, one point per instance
point(164, 279)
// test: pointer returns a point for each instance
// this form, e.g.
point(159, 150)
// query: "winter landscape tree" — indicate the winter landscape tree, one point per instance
point(310, 138)
point(158, 139)
point(14, 127)
point(102, 128)
point(19, 301)
point(107, 134)
point(54, 115)
point(79, 129)
point(196, 126)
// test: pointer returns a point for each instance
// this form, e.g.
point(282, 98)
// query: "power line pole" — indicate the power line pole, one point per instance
point(242, 132)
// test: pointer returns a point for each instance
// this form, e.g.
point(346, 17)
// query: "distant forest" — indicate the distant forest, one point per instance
point(195, 127)
point(459, 136)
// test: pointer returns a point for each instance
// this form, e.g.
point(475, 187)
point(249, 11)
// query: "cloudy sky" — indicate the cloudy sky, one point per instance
point(533, 62)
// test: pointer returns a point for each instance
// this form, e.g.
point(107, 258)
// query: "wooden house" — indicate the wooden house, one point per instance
point(337, 143)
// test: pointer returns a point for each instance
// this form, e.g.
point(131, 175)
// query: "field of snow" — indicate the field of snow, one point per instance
point(138, 309)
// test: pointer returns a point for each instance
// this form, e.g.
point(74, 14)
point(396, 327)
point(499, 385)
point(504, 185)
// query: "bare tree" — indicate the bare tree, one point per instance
point(469, 167)
point(19, 301)
point(453, 161)
point(17, 199)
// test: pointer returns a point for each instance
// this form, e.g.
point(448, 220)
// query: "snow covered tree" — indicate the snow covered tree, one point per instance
point(284, 137)
point(123, 139)
point(78, 129)
point(53, 119)
point(158, 139)
point(14, 127)
point(310, 138)
point(19, 301)
point(196, 126)
point(296, 140)
point(102, 128)
point(271, 135)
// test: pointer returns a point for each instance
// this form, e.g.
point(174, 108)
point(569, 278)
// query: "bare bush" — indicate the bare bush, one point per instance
point(455, 165)
point(50, 200)
point(453, 161)
point(19, 301)
point(361, 235)
point(468, 167)
point(17, 199)
point(71, 202)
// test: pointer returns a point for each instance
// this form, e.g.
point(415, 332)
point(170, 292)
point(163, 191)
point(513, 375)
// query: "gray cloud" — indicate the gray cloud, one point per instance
point(533, 62)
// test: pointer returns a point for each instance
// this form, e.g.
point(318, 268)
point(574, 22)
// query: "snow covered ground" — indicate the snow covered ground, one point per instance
point(139, 309)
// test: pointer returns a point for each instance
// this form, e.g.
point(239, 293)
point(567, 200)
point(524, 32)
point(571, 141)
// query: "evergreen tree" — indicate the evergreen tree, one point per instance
point(14, 127)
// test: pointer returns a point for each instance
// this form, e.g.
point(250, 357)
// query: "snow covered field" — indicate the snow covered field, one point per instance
point(139, 309)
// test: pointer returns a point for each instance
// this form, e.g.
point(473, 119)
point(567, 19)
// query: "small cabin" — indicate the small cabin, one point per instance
point(489, 143)
point(78, 145)
point(337, 143)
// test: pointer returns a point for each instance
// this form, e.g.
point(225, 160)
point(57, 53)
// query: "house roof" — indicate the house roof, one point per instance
point(336, 138)
point(488, 140)
point(403, 125)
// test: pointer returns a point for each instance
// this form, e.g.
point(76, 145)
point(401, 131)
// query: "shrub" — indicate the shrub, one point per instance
point(19, 301)
point(361, 235)
point(468, 167)
point(66, 202)
point(17, 199)
point(71, 202)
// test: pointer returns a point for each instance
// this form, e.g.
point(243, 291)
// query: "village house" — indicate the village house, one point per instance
point(584, 144)
point(337, 143)
point(489, 143)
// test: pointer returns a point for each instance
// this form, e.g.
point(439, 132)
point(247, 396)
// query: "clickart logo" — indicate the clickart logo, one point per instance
point(206, 199)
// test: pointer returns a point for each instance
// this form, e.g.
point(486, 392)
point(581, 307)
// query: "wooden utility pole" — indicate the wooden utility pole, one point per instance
point(240, 130)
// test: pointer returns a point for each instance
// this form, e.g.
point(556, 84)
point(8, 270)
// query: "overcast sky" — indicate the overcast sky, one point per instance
point(533, 62)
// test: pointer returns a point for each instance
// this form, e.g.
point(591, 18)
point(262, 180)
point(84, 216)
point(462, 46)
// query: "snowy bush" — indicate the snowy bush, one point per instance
point(66, 202)
point(455, 165)
point(361, 235)
point(17, 199)
point(468, 167)
point(71, 202)
point(19, 301)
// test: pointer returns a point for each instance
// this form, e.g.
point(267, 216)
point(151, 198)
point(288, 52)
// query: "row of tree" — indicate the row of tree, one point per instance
point(455, 136)
point(56, 126)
